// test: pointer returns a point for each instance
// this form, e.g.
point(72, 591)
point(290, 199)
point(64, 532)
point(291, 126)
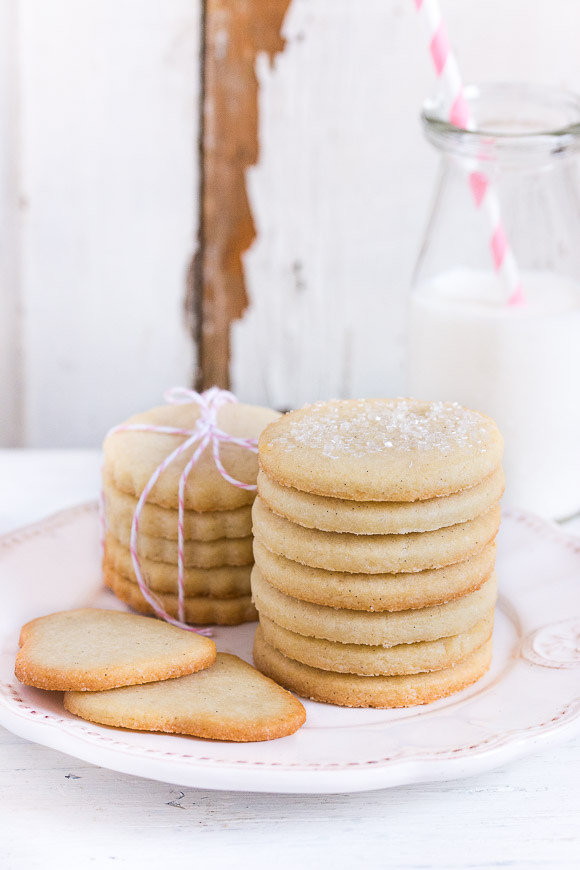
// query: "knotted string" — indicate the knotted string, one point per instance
point(205, 432)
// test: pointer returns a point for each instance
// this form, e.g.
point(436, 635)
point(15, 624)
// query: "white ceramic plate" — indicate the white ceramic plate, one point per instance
point(530, 697)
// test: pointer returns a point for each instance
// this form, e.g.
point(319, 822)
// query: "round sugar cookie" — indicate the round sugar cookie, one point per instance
point(373, 629)
point(93, 650)
point(350, 658)
point(380, 518)
point(353, 690)
point(373, 554)
point(381, 449)
point(199, 610)
point(375, 591)
point(162, 522)
point(229, 701)
point(196, 554)
point(132, 457)
point(227, 582)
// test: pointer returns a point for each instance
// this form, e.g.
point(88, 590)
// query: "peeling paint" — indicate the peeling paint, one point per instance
point(235, 34)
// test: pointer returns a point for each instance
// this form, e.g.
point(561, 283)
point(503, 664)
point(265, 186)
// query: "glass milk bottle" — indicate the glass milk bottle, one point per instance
point(519, 363)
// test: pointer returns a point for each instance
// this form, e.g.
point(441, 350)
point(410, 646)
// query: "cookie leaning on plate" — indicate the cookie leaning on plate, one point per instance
point(229, 701)
point(93, 650)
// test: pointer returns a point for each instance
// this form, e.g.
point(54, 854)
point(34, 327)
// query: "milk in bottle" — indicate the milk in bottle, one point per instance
point(518, 363)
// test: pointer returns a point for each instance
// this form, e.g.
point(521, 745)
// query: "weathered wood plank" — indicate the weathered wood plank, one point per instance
point(528, 811)
point(99, 195)
point(10, 349)
point(236, 31)
point(108, 130)
point(339, 195)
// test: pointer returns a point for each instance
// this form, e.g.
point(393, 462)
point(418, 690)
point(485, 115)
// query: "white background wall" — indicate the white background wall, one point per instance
point(98, 179)
point(99, 120)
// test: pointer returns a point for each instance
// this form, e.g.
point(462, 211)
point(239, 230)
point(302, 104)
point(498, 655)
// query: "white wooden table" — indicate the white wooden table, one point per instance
point(57, 812)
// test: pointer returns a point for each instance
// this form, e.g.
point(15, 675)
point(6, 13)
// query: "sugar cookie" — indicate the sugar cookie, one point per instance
point(375, 591)
point(199, 610)
point(405, 658)
point(132, 457)
point(373, 554)
point(226, 582)
point(161, 522)
point(353, 690)
point(101, 649)
point(229, 701)
point(380, 517)
point(381, 449)
point(379, 628)
point(196, 554)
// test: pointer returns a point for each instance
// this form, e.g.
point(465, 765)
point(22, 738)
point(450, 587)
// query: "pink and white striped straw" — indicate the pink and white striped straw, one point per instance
point(205, 432)
point(459, 115)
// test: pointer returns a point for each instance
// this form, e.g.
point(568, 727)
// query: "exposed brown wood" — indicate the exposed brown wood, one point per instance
point(235, 31)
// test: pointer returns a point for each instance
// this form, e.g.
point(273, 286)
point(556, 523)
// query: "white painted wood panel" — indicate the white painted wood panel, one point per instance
point(343, 184)
point(108, 104)
point(10, 361)
point(521, 817)
point(98, 197)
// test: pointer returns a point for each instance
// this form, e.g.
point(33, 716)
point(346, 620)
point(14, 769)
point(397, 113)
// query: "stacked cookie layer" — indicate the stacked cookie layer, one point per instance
point(375, 549)
point(217, 524)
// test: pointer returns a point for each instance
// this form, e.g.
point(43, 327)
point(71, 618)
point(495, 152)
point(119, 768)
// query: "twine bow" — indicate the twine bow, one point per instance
point(205, 432)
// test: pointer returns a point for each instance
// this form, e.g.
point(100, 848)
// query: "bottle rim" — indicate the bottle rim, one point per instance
point(509, 118)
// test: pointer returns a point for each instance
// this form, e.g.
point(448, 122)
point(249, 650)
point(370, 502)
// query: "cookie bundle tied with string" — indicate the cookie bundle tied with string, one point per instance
point(178, 486)
point(374, 547)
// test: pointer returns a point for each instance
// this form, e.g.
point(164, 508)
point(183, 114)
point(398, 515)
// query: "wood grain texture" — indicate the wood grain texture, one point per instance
point(108, 128)
point(236, 32)
point(99, 196)
point(10, 211)
point(341, 152)
point(522, 816)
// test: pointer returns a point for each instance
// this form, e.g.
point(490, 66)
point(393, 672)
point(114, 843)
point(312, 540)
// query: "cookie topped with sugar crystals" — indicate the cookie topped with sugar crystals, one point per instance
point(381, 449)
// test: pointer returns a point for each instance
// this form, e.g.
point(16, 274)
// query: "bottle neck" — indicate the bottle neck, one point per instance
point(511, 125)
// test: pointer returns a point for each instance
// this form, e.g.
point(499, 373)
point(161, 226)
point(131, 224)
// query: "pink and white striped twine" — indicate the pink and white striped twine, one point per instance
point(205, 432)
point(459, 115)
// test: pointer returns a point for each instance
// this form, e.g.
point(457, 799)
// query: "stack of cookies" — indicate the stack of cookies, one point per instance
point(374, 550)
point(217, 523)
